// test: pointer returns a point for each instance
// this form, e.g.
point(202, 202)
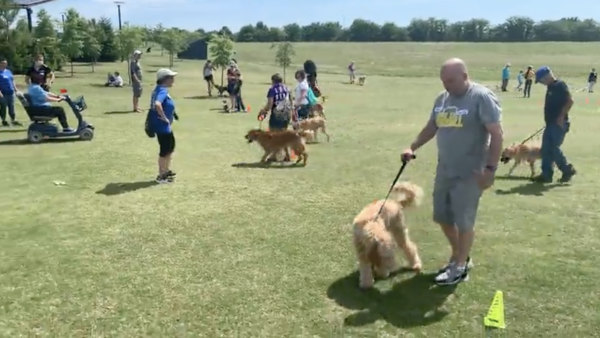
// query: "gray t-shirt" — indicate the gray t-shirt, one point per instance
point(462, 137)
point(136, 69)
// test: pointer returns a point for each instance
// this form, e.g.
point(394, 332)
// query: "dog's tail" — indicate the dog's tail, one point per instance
point(407, 194)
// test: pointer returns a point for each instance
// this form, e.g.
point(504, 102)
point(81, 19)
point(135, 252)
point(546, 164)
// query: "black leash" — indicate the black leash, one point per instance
point(404, 164)
point(534, 135)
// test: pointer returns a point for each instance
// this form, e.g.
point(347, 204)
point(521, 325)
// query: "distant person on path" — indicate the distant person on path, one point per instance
point(529, 76)
point(352, 72)
point(135, 70)
point(237, 90)
point(8, 89)
point(505, 77)
point(592, 78)
point(208, 76)
point(232, 77)
point(160, 119)
point(520, 78)
point(466, 119)
point(557, 105)
point(39, 73)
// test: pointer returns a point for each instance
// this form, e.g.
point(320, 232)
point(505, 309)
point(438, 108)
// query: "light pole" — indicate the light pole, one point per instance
point(62, 15)
point(119, 3)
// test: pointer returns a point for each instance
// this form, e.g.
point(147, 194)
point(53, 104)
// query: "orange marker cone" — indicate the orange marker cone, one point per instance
point(587, 100)
point(248, 109)
point(292, 154)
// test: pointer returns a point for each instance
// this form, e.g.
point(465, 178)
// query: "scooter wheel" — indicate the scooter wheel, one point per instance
point(35, 137)
point(86, 134)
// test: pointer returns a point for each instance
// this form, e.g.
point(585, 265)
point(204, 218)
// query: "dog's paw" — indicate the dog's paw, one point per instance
point(366, 284)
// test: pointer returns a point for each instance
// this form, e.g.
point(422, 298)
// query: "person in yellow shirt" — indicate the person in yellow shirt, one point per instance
point(529, 76)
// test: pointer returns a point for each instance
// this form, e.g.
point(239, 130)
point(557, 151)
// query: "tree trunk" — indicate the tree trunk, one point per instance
point(93, 63)
point(72, 69)
point(284, 81)
point(222, 75)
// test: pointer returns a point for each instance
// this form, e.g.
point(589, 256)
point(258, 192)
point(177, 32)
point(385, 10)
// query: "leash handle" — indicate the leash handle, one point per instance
point(404, 164)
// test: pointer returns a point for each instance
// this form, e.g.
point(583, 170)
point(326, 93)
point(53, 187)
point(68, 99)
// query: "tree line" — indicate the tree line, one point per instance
point(514, 29)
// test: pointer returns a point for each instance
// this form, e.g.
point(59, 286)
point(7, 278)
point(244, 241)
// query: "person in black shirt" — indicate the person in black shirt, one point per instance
point(310, 68)
point(40, 73)
point(592, 80)
point(557, 105)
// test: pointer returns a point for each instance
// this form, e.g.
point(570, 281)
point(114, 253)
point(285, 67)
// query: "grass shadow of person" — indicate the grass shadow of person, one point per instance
point(201, 97)
point(260, 165)
point(11, 131)
point(530, 189)
point(513, 178)
point(412, 302)
point(120, 112)
point(22, 142)
point(113, 189)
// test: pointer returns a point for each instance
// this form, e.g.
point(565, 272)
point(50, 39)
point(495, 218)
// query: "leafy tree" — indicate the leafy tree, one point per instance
point(108, 40)
point(173, 41)
point(72, 38)
point(221, 51)
point(91, 45)
point(128, 40)
point(285, 51)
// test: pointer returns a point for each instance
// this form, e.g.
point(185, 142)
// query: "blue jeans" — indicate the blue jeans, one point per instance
point(552, 139)
point(7, 103)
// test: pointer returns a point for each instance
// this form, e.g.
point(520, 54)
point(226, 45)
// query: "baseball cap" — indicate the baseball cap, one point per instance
point(137, 52)
point(164, 72)
point(541, 72)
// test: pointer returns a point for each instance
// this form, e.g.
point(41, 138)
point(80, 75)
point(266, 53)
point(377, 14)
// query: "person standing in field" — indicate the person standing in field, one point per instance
point(557, 106)
point(8, 90)
point(529, 75)
point(505, 77)
point(135, 70)
point(520, 78)
point(279, 108)
point(592, 78)
point(352, 72)
point(466, 118)
point(208, 76)
point(39, 73)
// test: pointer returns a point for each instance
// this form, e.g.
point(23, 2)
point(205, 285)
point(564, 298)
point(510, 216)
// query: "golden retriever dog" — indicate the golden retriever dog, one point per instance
point(520, 153)
point(375, 238)
point(361, 80)
point(317, 110)
point(314, 124)
point(276, 141)
point(309, 136)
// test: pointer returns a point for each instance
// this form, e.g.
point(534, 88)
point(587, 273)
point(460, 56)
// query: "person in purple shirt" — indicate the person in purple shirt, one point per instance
point(7, 94)
point(279, 105)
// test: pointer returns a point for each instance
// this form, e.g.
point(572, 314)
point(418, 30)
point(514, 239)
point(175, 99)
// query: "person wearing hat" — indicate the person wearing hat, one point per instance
point(557, 105)
point(529, 75)
point(505, 77)
point(136, 79)
point(160, 118)
point(592, 78)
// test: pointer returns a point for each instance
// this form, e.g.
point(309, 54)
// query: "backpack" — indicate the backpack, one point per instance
point(148, 126)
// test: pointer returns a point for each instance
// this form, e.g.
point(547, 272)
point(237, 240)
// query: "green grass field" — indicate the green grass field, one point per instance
point(242, 252)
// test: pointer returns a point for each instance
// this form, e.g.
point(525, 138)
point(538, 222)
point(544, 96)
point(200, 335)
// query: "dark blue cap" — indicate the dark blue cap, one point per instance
point(541, 72)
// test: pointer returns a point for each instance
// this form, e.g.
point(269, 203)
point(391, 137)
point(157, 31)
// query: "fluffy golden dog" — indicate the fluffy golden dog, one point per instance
point(361, 80)
point(375, 238)
point(314, 124)
point(309, 136)
point(520, 153)
point(276, 141)
point(317, 110)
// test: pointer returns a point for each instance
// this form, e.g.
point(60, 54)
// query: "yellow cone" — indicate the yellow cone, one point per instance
point(495, 315)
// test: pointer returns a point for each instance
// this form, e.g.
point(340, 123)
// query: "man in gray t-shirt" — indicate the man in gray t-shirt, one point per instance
point(135, 70)
point(466, 118)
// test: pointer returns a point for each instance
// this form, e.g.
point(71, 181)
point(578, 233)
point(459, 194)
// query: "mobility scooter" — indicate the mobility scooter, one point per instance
point(41, 127)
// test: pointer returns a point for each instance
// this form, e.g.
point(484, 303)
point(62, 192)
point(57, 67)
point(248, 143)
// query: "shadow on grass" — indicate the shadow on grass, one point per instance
point(120, 112)
point(201, 97)
point(530, 189)
point(99, 85)
point(412, 302)
point(11, 131)
point(113, 189)
point(513, 178)
point(26, 142)
point(271, 165)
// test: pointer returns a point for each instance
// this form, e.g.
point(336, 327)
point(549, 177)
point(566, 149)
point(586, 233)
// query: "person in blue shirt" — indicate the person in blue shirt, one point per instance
point(505, 77)
point(41, 104)
point(8, 89)
point(557, 105)
point(160, 119)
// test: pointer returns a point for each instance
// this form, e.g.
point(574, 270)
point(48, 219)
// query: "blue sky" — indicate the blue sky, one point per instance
point(193, 14)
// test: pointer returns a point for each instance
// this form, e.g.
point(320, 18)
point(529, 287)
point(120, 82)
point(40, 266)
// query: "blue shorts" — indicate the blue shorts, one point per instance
point(303, 112)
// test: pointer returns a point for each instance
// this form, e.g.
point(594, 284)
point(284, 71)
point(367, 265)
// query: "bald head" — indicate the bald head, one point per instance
point(454, 76)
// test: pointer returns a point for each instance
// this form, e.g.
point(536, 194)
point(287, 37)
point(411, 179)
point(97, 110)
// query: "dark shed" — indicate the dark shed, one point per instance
point(197, 50)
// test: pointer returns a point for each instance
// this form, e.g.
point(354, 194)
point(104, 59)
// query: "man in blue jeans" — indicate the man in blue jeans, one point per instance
point(7, 94)
point(557, 105)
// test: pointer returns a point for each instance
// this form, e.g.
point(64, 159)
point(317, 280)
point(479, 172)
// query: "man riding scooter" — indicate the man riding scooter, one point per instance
point(41, 103)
